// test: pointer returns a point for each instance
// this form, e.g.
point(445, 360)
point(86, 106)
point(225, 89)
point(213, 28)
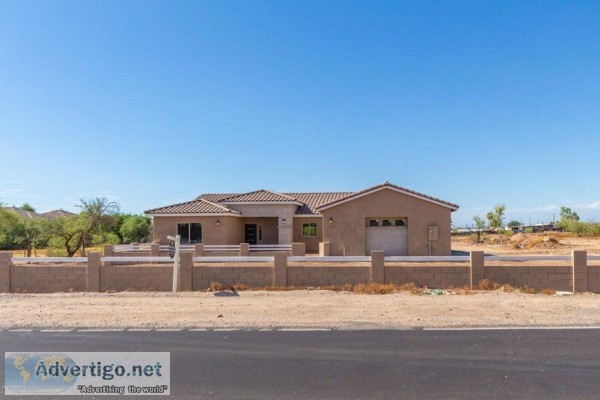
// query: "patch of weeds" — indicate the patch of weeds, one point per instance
point(549, 292)
point(216, 286)
point(507, 288)
point(375, 288)
point(410, 287)
point(240, 287)
point(527, 289)
point(486, 284)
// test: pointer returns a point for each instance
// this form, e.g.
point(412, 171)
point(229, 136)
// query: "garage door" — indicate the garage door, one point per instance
point(393, 240)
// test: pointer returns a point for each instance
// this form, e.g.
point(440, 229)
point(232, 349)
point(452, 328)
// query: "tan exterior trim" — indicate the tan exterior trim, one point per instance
point(354, 197)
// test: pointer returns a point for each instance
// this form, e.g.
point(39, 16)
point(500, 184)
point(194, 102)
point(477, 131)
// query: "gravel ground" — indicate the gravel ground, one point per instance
point(299, 308)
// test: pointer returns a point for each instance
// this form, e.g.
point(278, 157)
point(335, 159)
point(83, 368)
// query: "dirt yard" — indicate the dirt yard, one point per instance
point(555, 243)
point(300, 308)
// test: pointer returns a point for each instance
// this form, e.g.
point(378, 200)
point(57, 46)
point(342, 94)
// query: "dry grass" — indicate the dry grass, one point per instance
point(507, 288)
point(549, 292)
point(375, 288)
point(216, 286)
point(527, 289)
point(486, 284)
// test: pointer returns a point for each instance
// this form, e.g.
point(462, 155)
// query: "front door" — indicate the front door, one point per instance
point(250, 234)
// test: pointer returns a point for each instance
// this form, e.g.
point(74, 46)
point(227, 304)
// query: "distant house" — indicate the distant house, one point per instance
point(23, 213)
point(385, 217)
point(54, 214)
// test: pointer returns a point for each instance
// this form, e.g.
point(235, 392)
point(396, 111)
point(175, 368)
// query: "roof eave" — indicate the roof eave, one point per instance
point(355, 196)
point(193, 214)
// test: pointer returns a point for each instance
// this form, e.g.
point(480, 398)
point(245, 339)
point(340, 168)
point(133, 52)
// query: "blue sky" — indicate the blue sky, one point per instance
point(150, 103)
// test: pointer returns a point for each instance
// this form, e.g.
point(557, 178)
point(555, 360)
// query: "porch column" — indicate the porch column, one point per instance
point(285, 229)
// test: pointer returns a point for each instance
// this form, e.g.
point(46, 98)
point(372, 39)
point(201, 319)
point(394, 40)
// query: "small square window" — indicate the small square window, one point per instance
point(309, 230)
point(373, 222)
point(399, 222)
point(387, 222)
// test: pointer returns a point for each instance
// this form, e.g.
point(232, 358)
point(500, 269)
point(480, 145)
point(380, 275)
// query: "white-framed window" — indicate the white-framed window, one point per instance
point(190, 233)
point(309, 229)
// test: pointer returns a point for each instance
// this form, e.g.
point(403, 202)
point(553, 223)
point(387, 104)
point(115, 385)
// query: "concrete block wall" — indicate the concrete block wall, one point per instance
point(327, 275)
point(594, 279)
point(252, 276)
point(48, 278)
point(577, 275)
point(427, 275)
point(119, 278)
point(537, 277)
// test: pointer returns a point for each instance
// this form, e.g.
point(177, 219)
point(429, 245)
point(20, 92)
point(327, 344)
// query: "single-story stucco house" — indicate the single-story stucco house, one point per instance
point(383, 217)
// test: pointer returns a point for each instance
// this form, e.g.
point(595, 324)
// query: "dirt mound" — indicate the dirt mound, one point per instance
point(524, 241)
point(497, 239)
point(518, 238)
point(545, 242)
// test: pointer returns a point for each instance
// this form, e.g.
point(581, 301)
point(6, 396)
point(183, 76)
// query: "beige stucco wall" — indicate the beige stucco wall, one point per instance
point(229, 231)
point(280, 211)
point(347, 233)
point(312, 243)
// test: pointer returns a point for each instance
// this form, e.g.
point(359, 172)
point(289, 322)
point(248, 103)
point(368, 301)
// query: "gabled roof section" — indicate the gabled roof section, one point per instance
point(260, 196)
point(310, 201)
point(216, 197)
point(198, 206)
point(54, 214)
point(387, 185)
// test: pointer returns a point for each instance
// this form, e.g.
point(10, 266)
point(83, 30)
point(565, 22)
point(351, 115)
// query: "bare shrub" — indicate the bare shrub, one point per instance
point(486, 284)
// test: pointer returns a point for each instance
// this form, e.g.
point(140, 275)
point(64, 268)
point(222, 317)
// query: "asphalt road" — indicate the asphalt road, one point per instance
point(505, 364)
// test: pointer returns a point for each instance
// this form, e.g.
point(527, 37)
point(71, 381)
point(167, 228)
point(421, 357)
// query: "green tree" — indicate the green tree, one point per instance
point(514, 223)
point(8, 225)
point(27, 207)
point(17, 232)
point(566, 214)
point(135, 228)
point(75, 232)
point(496, 216)
point(479, 226)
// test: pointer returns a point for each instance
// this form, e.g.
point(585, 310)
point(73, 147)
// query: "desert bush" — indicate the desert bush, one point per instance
point(216, 286)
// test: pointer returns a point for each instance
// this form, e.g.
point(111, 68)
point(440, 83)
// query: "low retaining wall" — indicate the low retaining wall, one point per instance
point(327, 275)
point(430, 276)
point(539, 277)
point(252, 275)
point(119, 278)
point(120, 275)
point(48, 278)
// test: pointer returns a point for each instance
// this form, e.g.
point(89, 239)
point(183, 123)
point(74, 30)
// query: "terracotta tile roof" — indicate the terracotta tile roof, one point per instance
point(200, 206)
point(260, 195)
point(57, 214)
point(216, 197)
point(311, 201)
point(453, 206)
